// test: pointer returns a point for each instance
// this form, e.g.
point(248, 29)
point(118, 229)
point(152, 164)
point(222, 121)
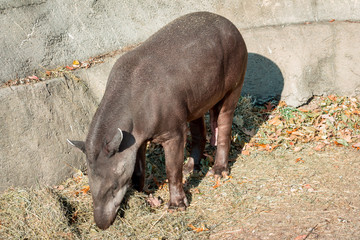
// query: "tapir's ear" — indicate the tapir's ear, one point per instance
point(79, 144)
point(114, 144)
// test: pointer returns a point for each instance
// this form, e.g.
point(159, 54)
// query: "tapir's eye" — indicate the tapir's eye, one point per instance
point(116, 185)
point(114, 189)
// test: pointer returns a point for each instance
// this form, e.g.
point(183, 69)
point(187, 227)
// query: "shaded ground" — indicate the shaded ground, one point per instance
point(298, 178)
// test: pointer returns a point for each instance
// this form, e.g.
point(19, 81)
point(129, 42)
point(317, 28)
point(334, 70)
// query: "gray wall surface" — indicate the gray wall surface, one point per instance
point(37, 34)
point(297, 49)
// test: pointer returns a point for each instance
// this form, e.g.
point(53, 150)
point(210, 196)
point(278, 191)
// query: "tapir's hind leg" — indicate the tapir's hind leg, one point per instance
point(214, 114)
point(224, 122)
point(198, 140)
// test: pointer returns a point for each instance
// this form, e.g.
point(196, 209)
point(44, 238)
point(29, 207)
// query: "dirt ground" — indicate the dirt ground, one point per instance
point(290, 186)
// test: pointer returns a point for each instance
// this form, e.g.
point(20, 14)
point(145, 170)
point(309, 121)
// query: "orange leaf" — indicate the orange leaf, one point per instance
point(338, 144)
point(200, 229)
point(300, 237)
point(292, 131)
point(299, 160)
point(162, 186)
point(275, 121)
point(332, 20)
point(70, 68)
point(282, 104)
point(217, 184)
point(245, 152)
point(356, 146)
point(332, 97)
point(85, 189)
point(272, 148)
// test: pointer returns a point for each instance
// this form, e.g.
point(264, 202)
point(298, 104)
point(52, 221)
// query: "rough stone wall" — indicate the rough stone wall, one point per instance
point(37, 34)
point(35, 122)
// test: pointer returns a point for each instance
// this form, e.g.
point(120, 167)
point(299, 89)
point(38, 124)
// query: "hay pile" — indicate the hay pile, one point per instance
point(223, 208)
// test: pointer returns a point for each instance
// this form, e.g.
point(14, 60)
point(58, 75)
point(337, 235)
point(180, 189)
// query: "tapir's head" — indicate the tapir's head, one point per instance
point(110, 168)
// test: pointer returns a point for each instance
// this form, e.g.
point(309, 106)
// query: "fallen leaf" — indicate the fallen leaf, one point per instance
point(154, 201)
point(297, 149)
point(76, 63)
point(70, 68)
point(200, 229)
point(356, 146)
point(217, 184)
point(299, 160)
point(196, 191)
point(332, 20)
point(275, 121)
point(269, 106)
point(300, 237)
point(85, 189)
point(282, 104)
point(251, 132)
point(340, 142)
point(308, 187)
point(33, 77)
point(292, 131)
point(238, 120)
point(332, 97)
point(319, 147)
point(245, 152)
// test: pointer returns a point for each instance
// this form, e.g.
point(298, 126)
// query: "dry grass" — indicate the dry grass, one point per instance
point(271, 194)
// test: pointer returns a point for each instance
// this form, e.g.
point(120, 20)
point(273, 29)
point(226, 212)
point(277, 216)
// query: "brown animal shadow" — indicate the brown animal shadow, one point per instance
point(261, 93)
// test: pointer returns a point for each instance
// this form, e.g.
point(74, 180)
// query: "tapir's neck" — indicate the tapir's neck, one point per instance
point(107, 119)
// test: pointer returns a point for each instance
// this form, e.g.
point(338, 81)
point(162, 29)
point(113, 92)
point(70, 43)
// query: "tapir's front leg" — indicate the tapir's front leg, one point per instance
point(174, 155)
point(138, 177)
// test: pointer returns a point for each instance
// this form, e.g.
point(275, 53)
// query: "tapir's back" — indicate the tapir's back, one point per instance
point(194, 61)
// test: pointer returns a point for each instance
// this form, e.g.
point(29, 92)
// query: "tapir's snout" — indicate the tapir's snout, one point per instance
point(104, 218)
point(105, 212)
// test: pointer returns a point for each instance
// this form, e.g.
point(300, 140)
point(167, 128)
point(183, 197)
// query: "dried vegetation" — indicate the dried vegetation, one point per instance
point(297, 178)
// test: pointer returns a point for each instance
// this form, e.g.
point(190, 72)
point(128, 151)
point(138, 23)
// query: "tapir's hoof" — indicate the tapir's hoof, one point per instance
point(191, 167)
point(181, 206)
point(218, 172)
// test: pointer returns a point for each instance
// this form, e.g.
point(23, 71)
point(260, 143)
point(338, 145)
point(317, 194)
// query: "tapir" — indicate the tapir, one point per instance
point(157, 91)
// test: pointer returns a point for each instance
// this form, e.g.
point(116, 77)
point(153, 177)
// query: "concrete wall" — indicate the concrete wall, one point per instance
point(48, 33)
point(294, 50)
point(34, 124)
